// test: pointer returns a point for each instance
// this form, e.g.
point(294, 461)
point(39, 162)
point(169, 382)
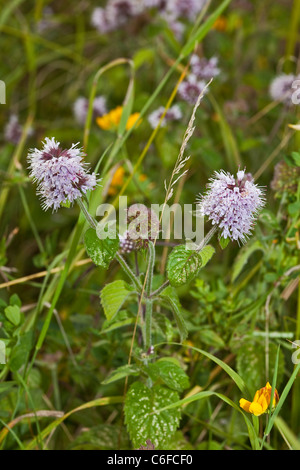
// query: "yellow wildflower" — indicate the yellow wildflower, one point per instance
point(261, 401)
point(116, 181)
point(142, 177)
point(111, 120)
point(220, 24)
point(132, 120)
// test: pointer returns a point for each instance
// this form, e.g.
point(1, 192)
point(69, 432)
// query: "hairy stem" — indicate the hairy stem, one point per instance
point(126, 268)
point(149, 301)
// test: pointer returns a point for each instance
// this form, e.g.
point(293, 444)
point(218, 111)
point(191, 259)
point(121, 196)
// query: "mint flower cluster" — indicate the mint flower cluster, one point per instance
point(60, 173)
point(232, 204)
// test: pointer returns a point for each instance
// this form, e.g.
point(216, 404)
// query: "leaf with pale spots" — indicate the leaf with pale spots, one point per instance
point(142, 422)
point(183, 264)
point(170, 372)
point(101, 252)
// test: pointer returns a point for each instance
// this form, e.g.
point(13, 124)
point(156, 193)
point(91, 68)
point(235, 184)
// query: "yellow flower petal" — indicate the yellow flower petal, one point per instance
point(264, 402)
point(132, 120)
point(245, 404)
point(256, 409)
point(111, 120)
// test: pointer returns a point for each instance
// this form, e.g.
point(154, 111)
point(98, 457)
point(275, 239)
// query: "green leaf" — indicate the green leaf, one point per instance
point(101, 252)
point(13, 314)
point(113, 296)
point(142, 422)
point(170, 373)
point(223, 242)
point(206, 253)
point(296, 158)
point(170, 295)
point(183, 265)
point(211, 338)
point(294, 208)
point(121, 373)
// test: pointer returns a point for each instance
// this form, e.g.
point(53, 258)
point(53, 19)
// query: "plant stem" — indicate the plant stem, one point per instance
point(149, 301)
point(86, 214)
point(128, 271)
point(148, 323)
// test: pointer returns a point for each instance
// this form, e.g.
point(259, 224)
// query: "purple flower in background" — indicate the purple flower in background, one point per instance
point(187, 8)
point(60, 173)
point(204, 68)
point(13, 130)
point(160, 4)
point(190, 89)
point(232, 204)
point(120, 11)
point(81, 106)
point(173, 114)
point(101, 22)
point(115, 14)
point(281, 88)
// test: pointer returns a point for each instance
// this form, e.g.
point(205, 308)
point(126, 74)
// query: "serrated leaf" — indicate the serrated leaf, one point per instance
point(170, 373)
point(183, 265)
point(170, 295)
point(142, 422)
point(101, 252)
point(121, 373)
point(113, 296)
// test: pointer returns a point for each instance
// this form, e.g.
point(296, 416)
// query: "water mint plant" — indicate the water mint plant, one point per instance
point(149, 227)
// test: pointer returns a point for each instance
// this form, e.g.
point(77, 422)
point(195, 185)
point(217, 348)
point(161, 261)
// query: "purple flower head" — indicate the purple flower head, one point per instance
point(173, 114)
point(281, 88)
point(115, 14)
point(81, 107)
point(190, 89)
point(204, 68)
point(232, 204)
point(60, 173)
